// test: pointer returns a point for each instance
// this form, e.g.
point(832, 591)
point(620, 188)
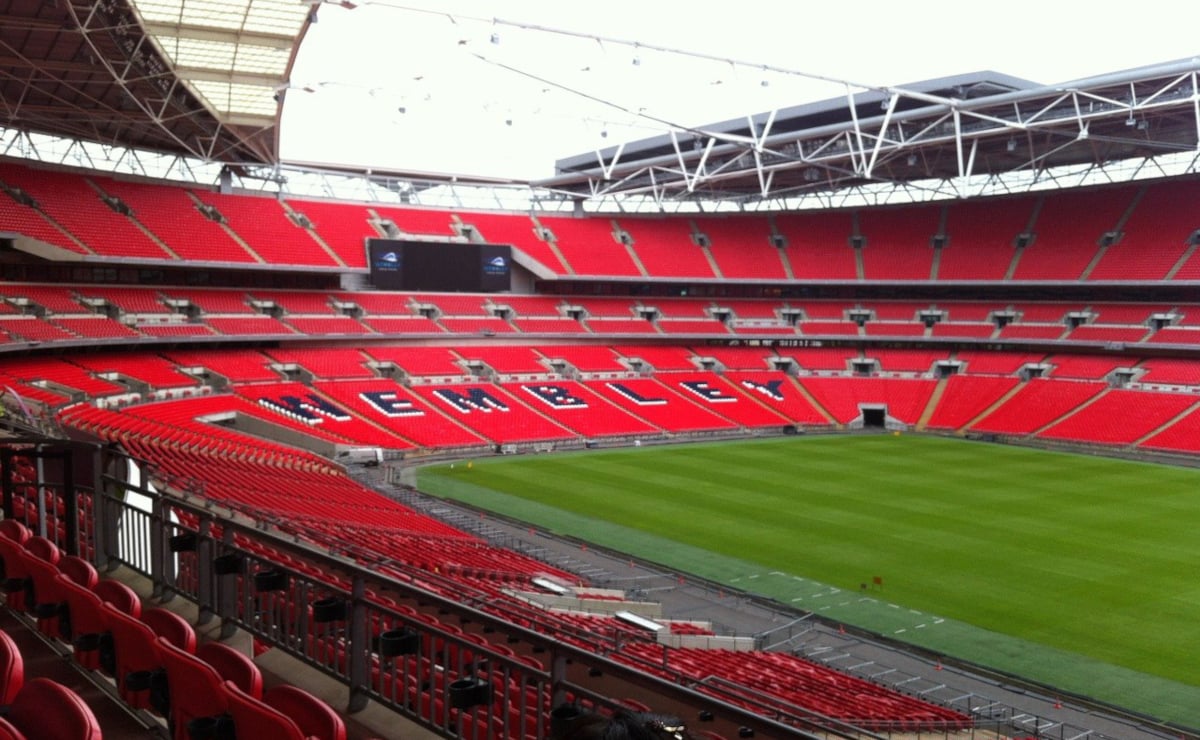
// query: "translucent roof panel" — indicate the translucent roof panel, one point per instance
point(234, 53)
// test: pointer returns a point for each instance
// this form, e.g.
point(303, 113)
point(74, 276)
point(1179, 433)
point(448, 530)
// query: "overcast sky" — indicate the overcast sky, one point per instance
point(455, 91)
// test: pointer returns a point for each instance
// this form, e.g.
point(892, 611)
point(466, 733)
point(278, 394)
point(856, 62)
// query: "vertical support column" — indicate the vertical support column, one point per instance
point(70, 499)
point(358, 646)
point(99, 520)
point(158, 548)
point(227, 601)
point(6, 456)
point(205, 583)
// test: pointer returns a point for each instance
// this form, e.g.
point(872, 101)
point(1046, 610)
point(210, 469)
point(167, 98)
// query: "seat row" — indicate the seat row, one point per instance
point(1120, 233)
point(39, 708)
point(151, 655)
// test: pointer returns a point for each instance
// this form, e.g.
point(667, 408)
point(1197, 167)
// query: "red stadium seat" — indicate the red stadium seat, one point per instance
point(12, 669)
point(12, 554)
point(42, 593)
point(15, 531)
point(174, 628)
point(8, 732)
point(79, 570)
point(136, 654)
point(315, 718)
point(233, 666)
point(196, 690)
point(255, 718)
point(119, 595)
point(83, 621)
point(50, 711)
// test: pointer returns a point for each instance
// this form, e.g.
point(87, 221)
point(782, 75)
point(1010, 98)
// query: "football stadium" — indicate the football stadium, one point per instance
point(871, 415)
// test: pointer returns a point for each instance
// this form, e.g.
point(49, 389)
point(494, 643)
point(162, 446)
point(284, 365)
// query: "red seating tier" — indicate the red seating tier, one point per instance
point(1068, 229)
point(1120, 417)
point(981, 362)
point(659, 405)
point(659, 357)
point(241, 366)
point(325, 362)
point(905, 399)
point(492, 412)
point(578, 408)
point(818, 245)
point(418, 220)
point(585, 358)
point(1087, 367)
point(589, 247)
point(214, 301)
point(613, 327)
point(419, 361)
point(21, 219)
point(1038, 403)
point(170, 214)
point(246, 325)
point(519, 230)
point(726, 398)
point(562, 325)
point(741, 246)
point(327, 325)
point(1172, 371)
point(506, 359)
point(898, 242)
point(263, 224)
point(155, 371)
point(665, 248)
point(981, 235)
point(781, 393)
point(897, 360)
point(1183, 436)
point(78, 207)
point(389, 405)
point(966, 397)
point(345, 227)
point(1155, 237)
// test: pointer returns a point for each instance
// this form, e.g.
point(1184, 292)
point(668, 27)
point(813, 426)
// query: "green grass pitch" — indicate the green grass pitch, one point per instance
point(1079, 571)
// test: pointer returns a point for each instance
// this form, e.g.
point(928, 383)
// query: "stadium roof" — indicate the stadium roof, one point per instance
point(192, 77)
point(936, 132)
point(205, 80)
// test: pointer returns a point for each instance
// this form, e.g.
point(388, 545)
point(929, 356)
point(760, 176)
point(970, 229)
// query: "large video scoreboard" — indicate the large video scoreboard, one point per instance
point(400, 264)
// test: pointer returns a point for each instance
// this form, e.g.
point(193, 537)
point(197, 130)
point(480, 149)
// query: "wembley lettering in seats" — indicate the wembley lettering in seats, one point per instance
point(476, 399)
point(308, 410)
point(769, 389)
point(706, 391)
point(390, 405)
point(555, 396)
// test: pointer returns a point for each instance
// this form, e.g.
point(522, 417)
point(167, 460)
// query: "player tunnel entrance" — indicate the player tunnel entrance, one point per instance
point(875, 416)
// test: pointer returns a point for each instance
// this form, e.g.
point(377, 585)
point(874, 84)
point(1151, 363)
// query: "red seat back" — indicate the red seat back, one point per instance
point(12, 555)
point(315, 717)
point(253, 718)
point(50, 711)
point(8, 732)
point(12, 669)
point(194, 687)
point(15, 531)
point(84, 606)
point(78, 570)
point(121, 596)
point(233, 666)
point(173, 627)
point(40, 547)
point(135, 645)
